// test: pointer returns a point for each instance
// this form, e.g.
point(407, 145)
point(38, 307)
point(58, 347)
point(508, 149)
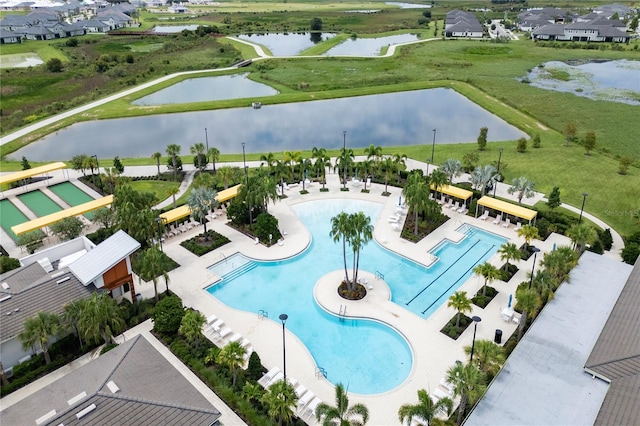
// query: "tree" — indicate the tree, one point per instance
point(554, 198)
point(521, 145)
point(133, 214)
point(201, 201)
point(173, 151)
point(152, 266)
point(509, 251)
point(589, 142)
point(318, 155)
point(291, 158)
point(388, 168)
point(529, 233)
point(167, 315)
point(559, 262)
point(78, 163)
point(536, 140)
point(425, 410)
point(157, 156)
point(67, 228)
point(607, 239)
point(117, 164)
point(173, 191)
point(191, 326)
point(633, 26)
point(100, 318)
point(214, 154)
point(482, 138)
point(487, 356)
point(570, 131)
point(232, 356)
point(399, 160)
point(354, 229)
point(8, 264)
point(280, 400)
point(251, 391)
point(481, 176)
point(197, 150)
point(581, 234)
point(39, 330)
point(522, 187)
point(438, 180)
point(468, 384)
point(416, 194)
point(110, 179)
point(316, 24)
point(31, 241)
point(469, 161)
point(373, 152)
point(342, 413)
point(54, 65)
point(461, 303)
point(527, 300)
point(452, 168)
point(25, 163)
point(71, 317)
point(488, 272)
point(623, 167)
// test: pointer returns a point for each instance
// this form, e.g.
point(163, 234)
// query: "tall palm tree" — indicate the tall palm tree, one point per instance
point(225, 175)
point(482, 175)
point(341, 229)
point(232, 356)
point(426, 410)
point(488, 272)
point(438, 179)
point(173, 151)
point(521, 186)
point(468, 384)
point(452, 168)
point(291, 158)
point(281, 172)
point(366, 166)
point(527, 300)
point(39, 330)
point(201, 201)
point(388, 168)
point(318, 155)
point(461, 303)
point(324, 162)
point(559, 263)
point(100, 318)
point(362, 234)
point(265, 188)
point(373, 152)
point(198, 150)
point(251, 391)
point(71, 316)
point(152, 265)
point(269, 159)
point(344, 163)
point(214, 154)
point(342, 414)
point(529, 233)
point(191, 326)
point(280, 400)
point(399, 160)
point(173, 191)
point(581, 234)
point(509, 252)
point(157, 156)
point(487, 356)
point(416, 193)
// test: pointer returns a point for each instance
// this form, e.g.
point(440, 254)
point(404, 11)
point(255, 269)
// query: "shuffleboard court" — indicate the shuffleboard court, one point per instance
point(10, 216)
point(72, 195)
point(39, 203)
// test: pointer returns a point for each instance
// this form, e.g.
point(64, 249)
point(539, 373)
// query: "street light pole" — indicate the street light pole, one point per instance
point(428, 162)
point(206, 141)
point(344, 159)
point(495, 186)
point(97, 163)
point(584, 198)
point(283, 318)
point(533, 267)
point(244, 162)
point(159, 224)
point(433, 145)
point(476, 320)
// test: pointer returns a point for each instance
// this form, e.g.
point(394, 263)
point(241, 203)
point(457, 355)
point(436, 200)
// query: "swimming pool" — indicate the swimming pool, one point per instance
point(383, 356)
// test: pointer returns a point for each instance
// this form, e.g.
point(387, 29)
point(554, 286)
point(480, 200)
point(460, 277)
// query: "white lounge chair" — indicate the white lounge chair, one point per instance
point(439, 393)
point(305, 399)
point(256, 241)
point(395, 226)
point(268, 376)
point(211, 319)
point(310, 410)
point(497, 220)
point(485, 215)
point(518, 226)
point(446, 385)
point(462, 209)
point(394, 218)
point(280, 242)
point(506, 223)
point(456, 206)
point(449, 204)
point(234, 337)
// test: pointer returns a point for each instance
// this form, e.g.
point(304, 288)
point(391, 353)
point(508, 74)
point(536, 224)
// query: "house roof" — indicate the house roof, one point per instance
point(508, 208)
point(616, 356)
point(105, 256)
point(149, 390)
point(465, 26)
point(543, 382)
point(552, 29)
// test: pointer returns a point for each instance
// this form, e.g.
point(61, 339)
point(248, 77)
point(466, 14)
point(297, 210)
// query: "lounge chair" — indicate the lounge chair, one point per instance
point(506, 223)
point(456, 206)
point(484, 216)
point(439, 393)
point(497, 220)
point(311, 408)
point(300, 390)
point(234, 337)
point(518, 226)
point(446, 385)
point(256, 241)
point(268, 376)
point(449, 204)
point(305, 399)
point(211, 319)
point(394, 218)
point(280, 242)
point(395, 226)
point(462, 209)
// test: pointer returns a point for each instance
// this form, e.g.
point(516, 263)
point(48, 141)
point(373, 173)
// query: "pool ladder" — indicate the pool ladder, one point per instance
point(262, 314)
point(342, 312)
point(321, 373)
point(379, 275)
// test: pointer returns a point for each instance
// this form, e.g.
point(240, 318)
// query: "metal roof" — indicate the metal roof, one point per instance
point(505, 207)
point(24, 174)
point(106, 255)
point(454, 191)
point(184, 211)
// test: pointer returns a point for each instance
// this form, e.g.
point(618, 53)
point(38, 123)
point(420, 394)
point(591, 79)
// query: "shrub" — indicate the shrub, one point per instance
point(267, 224)
point(606, 239)
point(255, 370)
point(200, 245)
point(454, 332)
point(8, 264)
point(54, 65)
point(167, 315)
point(522, 145)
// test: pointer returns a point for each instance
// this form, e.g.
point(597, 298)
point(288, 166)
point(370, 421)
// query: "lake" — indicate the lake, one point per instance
point(289, 44)
point(393, 119)
point(368, 46)
point(402, 5)
point(617, 81)
point(171, 29)
point(20, 60)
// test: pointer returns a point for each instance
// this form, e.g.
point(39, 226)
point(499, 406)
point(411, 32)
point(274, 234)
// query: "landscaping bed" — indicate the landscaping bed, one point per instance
point(481, 300)
point(507, 271)
point(204, 243)
point(454, 332)
point(425, 227)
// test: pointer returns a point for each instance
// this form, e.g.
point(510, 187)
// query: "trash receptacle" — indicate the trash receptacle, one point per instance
point(498, 336)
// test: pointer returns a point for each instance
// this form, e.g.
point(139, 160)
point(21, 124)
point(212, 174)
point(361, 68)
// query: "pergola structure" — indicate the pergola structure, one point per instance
point(184, 211)
point(35, 171)
point(508, 208)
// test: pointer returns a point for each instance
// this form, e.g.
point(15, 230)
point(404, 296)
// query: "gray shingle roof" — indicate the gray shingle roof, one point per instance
point(552, 29)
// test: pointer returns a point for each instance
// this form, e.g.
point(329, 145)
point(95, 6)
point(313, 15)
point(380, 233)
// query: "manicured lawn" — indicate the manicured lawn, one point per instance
point(161, 189)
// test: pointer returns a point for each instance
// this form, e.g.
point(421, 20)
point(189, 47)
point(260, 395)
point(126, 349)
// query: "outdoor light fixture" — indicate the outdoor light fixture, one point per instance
point(206, 141)
point(428, 162)
point(584, 198)
point(476, 319)
point(159, 224)
point(433, 145)
point(533, 267)
point(97, 163)
point(495, 186)
point(344, 159)
point(283, 318)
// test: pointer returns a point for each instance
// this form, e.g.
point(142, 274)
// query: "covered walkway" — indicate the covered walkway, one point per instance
point(26, 174)
point(454, 191)
point(507, 208)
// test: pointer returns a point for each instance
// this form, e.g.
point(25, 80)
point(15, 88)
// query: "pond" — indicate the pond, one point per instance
point(20, 60)
point(202, 89)
point(368, 46)
point(393, 119)
point(402, 5)
point(174, 28)
point(287, 44)
point(617, 81)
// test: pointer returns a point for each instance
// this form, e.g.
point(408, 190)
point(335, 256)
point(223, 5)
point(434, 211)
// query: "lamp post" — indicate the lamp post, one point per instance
point(584, 198)
point(344, 159)
point(159, 224)
point(428, 162)
point(97, 163)
point(495, 186)
point(206, 141)
point(433, 145)
point(283, 318)
point(533, 267)
point(476, 319)
point(244, 162)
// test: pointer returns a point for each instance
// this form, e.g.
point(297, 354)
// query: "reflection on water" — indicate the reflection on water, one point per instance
point(394, 119)
point(402, 5)
point(368, 46)
point(20, 60)
point(617, 81)
point(219, 88)
point(174, 28)
point(287, 44)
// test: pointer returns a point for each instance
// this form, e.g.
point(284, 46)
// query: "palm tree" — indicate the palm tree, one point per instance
point(225, 175)
point(388, 168)
point(214, 154)
point(173, 151)
point(191, 326)
point(468, 384)
point(344, 163)
point(366, 166)
point(232, 356)
point(291, 158)
point(100, 318)
point(509, 251)
point(157, 156)
point(197, 150)
point(529, 233)
point(362, 234)
point(152, 265)
point(527, 300)
point(281, 172)
point(323, 163)
point(373, 152)
point(438, 179)
point(264, 187)
point(481, 176)
point(341, 229)
point(201, 201)
point(521, 186)
point(488, 272)
point(71, 316)
point(269, 159)
point(400, 164)
point(426, 410)
point(251, 391)
point(342, 414)
point(280, 400)
point(452, 168)
point(461, 303)
point(318, 155)
point(487, 356)
point(416, 193)
point(39, 330)
point(173, 191)
point(581, 234)
point(559, 263)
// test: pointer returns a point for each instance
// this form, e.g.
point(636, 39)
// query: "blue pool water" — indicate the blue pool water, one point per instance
point(368, 356)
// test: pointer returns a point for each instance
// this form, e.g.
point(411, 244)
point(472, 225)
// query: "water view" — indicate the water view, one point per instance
point(368, 46)
point(174, 28)
point(20, 60)
point(617, 81)
point(287, 44)
point(219, 88)
point(402, 5)
point(393, 119)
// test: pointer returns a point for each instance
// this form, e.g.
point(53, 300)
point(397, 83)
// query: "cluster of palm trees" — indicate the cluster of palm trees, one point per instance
point(355, 230)
point(200, 154)
point(417, 193)
point(92, 320)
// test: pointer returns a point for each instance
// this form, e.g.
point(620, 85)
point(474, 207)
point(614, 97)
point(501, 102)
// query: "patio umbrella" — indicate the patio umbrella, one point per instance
point(510, 298)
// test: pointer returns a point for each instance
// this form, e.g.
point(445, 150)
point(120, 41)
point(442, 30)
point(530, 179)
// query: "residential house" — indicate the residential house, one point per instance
point(9, 37)
point(462, 24)
point(177, 8)
point(53, 277)
point(580, 31)
point(536, 18)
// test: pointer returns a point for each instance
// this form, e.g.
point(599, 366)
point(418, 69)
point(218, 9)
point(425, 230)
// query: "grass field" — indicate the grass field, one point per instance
point(161, 189)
